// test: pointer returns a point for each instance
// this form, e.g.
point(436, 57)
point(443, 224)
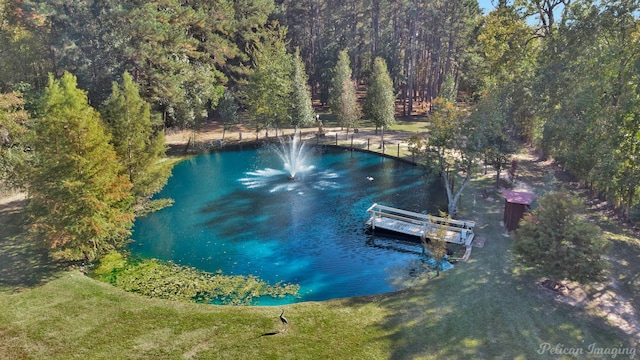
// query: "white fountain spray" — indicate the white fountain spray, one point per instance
point(293, 155)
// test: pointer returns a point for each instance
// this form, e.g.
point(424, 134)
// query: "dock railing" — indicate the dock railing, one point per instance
point(459, 231)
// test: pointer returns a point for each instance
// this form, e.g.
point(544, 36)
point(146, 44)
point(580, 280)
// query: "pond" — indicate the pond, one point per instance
point(237, 212)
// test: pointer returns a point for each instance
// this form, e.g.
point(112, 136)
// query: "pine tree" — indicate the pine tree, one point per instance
point(267, 92)
point(341, 73)
point(137, 144)
point(379, 103)
point(343, 99)
point(302, 113)
point(170, 49)
point(80, 200)
point(349, 113)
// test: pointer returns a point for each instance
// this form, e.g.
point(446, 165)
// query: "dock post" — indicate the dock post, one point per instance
point(398, 149)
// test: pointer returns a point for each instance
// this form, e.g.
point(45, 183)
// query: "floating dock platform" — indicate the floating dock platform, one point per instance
point(421, 225)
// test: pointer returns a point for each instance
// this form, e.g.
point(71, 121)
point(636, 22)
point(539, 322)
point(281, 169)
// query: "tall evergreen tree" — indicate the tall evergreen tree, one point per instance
point(167, 59)
point(138, 145)
point(267, 91)
point(302, 113)
point(80, 199)
point(510, 51)
point(379, 104)
point(349, 112)
point(343, 99)
point(341, 73)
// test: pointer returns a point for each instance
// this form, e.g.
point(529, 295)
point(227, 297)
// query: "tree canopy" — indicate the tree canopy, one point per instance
point(343, 100)
point(180, 53)
point(380, 101)
point(302, 113)
point(139, 146)
point(268, 87)
point(448, 151)
point(80, 199)
point(13, 129)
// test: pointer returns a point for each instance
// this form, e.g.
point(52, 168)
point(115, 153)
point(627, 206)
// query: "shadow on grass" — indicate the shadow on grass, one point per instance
point(484, 308)
point(23, 263)
point(271, 333)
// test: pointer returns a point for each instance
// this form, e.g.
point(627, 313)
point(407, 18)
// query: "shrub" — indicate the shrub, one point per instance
point(557, 242)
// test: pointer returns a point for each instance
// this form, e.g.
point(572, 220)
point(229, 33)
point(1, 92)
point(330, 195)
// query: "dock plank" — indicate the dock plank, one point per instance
point(416, 224)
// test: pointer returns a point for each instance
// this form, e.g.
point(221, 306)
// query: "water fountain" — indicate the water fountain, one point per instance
point(294, 158)
point(293, 155)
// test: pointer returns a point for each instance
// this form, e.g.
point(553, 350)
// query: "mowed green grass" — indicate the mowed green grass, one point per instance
point(482, 309)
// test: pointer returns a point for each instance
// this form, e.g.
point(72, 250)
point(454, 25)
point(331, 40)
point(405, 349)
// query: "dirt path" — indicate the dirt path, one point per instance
point(5, 199)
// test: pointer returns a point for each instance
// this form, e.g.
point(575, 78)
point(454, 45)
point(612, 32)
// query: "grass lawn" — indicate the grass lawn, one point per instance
point(483, 309)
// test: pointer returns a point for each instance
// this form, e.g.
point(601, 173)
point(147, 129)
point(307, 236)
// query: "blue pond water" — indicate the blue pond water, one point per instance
point(237, 212)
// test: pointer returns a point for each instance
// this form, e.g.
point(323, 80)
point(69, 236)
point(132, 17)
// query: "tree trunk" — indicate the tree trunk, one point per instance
point(452, 198)
point(412, 57)
point(629, 203)
point(314, 47)
point(375, 23)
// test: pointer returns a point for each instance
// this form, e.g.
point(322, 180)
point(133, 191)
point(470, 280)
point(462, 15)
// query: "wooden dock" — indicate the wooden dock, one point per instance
point(420, 225)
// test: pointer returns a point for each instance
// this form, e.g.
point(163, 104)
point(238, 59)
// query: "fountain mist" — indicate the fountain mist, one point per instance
point(293, 154)
point(295, 158)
